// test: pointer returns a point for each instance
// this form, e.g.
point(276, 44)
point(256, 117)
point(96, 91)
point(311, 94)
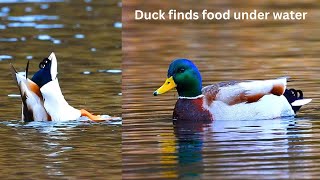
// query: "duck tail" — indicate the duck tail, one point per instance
point(295, 98)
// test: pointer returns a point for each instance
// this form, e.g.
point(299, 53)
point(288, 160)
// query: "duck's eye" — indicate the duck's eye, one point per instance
point(181, 70)
point(42, 65)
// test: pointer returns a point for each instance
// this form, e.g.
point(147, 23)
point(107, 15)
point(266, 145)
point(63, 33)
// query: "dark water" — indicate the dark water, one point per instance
point(86, 37)
point(234, 50)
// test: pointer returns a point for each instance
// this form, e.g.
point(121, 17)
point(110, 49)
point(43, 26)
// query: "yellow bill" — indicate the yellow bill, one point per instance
point(167, 86)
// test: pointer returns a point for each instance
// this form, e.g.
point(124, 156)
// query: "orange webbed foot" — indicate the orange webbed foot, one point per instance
point(92, 117)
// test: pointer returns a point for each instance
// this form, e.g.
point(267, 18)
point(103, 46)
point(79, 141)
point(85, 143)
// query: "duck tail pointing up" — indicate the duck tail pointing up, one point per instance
point(295, 98)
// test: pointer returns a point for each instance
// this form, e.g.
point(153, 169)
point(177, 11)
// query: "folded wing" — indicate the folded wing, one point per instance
point(235, 92)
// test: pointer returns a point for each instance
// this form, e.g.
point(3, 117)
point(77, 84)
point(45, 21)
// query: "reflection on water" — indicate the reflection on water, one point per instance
point(250, 148)
point(233, 50)
point(83, 36)
point(69, 149)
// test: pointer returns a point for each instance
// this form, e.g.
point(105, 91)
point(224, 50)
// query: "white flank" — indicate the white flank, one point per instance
point(55, 104)
point(268, 107)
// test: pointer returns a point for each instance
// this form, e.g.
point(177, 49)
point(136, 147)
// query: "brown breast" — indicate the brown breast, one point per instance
point(191, 110)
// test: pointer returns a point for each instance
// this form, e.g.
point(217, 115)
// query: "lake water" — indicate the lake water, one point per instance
point(153, 148)
point(86, 37)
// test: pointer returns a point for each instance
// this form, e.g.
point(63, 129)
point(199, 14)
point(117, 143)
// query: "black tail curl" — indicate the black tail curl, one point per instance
point(293, 95)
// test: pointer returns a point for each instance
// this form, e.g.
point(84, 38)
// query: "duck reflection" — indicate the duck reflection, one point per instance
point(236, 146)
point(190, 143)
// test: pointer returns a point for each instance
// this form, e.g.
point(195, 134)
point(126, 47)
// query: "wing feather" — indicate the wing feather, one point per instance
point(235, 92)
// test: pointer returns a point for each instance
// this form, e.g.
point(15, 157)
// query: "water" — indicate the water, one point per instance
point(154, 148)
point(83, 36)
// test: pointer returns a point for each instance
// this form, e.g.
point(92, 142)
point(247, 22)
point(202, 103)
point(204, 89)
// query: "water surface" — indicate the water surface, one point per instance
point(154, 148)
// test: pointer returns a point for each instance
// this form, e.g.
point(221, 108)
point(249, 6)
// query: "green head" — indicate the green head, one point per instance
point(185, 77)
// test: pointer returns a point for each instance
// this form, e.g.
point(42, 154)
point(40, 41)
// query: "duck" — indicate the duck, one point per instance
point(229, 100)
point(42, 98)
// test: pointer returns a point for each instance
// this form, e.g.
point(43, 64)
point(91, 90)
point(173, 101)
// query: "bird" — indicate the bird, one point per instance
point(42, 98)
point(229, 100)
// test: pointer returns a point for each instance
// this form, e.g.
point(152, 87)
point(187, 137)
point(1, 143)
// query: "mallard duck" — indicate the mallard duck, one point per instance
point(233, 100)
point(42, 98)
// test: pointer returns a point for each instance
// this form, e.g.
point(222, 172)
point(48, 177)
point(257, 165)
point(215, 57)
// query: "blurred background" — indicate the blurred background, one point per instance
point(223, 50)
point(86, 38)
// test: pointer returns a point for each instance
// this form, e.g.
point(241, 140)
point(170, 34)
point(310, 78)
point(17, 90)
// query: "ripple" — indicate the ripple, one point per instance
point(8, 39)
point(22, 24)
point(44, 37)
point(5, 57)
point(30, 18)
point(14, 95)
point(57, 126)
point(79, 36)
point(5, 9)
point(29, 1)
point(35, 25)
point(114, 71)
point(86, 72)
point(28, 9)
point(117, 25)
point(56, 41)
point(49, 26)
point(44, 6)
point(3, 14)
point(89, 8)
